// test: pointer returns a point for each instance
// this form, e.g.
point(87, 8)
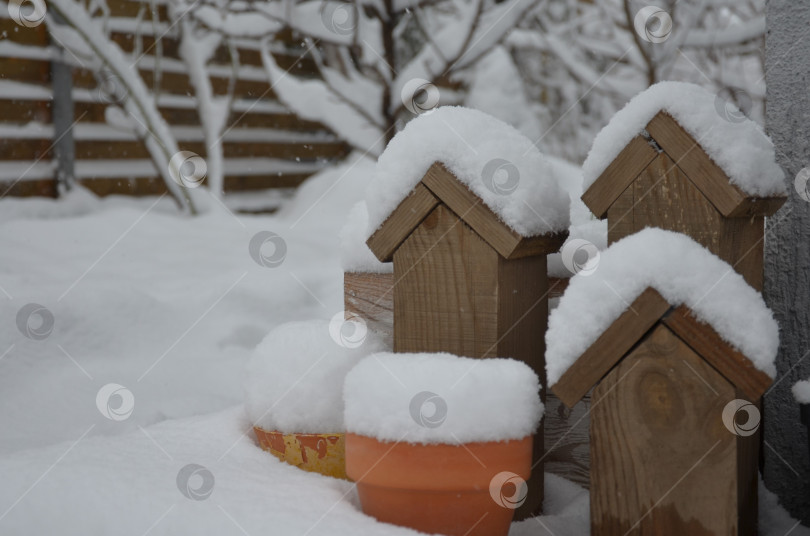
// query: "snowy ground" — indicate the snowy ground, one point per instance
point(170, 308)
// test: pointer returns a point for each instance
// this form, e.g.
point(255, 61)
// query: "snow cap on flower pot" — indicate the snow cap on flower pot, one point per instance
point(294, 390)
point(440, 443)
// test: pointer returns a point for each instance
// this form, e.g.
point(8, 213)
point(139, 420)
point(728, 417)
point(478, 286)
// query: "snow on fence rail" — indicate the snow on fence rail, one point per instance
point(265, 146)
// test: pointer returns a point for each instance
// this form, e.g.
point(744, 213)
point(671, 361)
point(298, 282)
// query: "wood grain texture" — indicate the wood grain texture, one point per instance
point(732, 364)
point(567, 439)
point(662, 461)
point(13, 32)
point(25, 111)
point(663, 196)
point(523, 311)
point(455, 293)
point(371, 297)
point(378, 290)
point(28, 71)
point(699, 167)
point(446, 293)
point(748, 451)
point(469, 207)
point(758, 206)
point(742, 245)
point(618, 176)
point(557, 286)
point(610, 347)
point(621, 217)
point(39, 187)
point(522, 318)
point(401, 222)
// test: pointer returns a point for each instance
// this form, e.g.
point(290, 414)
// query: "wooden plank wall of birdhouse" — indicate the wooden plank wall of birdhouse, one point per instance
point(445, 299)
point(457, 294)
point(664, 402)
point(663, 196)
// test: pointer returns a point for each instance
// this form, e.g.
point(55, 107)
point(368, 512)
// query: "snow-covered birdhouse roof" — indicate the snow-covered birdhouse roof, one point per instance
point(726, 155)
point(482, 169)
point(651, 277)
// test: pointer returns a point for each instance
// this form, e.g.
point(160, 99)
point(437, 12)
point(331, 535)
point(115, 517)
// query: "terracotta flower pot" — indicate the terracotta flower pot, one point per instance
point(318, 453)
point(469, 489)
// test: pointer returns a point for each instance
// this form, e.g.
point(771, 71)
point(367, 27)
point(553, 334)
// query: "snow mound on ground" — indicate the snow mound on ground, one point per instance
point(294, 381)
point(566, 511)
point(774, 520)
point(737, 145)
point(140, 483)
point(498, 163)
point(684, 272)
point(201, 476)
point(801, 391)
point(355, 256)
point(441, 398)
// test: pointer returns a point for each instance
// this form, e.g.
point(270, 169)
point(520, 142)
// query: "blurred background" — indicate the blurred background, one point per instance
point(104, 93)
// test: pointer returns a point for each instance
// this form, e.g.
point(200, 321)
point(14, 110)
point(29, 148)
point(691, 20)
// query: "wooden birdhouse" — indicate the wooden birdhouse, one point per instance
point(674, 419)
point(666, 177)
point(465, 282)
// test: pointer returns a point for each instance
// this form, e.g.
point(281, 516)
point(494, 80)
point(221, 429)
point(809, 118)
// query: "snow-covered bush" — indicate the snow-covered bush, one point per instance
point(294, 381)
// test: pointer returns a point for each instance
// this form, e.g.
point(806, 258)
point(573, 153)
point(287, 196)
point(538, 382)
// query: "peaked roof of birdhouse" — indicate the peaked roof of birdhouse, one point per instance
point(727, 156)
point(465, 157)
point(659, 276)
point(440, 186)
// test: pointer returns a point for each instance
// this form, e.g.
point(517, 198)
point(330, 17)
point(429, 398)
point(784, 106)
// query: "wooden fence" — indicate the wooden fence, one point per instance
point(266, 146)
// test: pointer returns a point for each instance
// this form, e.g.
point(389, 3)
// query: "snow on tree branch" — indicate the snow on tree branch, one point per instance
point(79, 27)
point(196, 48)
point(316, 100)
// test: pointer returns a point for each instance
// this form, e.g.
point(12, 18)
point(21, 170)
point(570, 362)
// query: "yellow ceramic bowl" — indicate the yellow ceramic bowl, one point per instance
point(318, 453)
